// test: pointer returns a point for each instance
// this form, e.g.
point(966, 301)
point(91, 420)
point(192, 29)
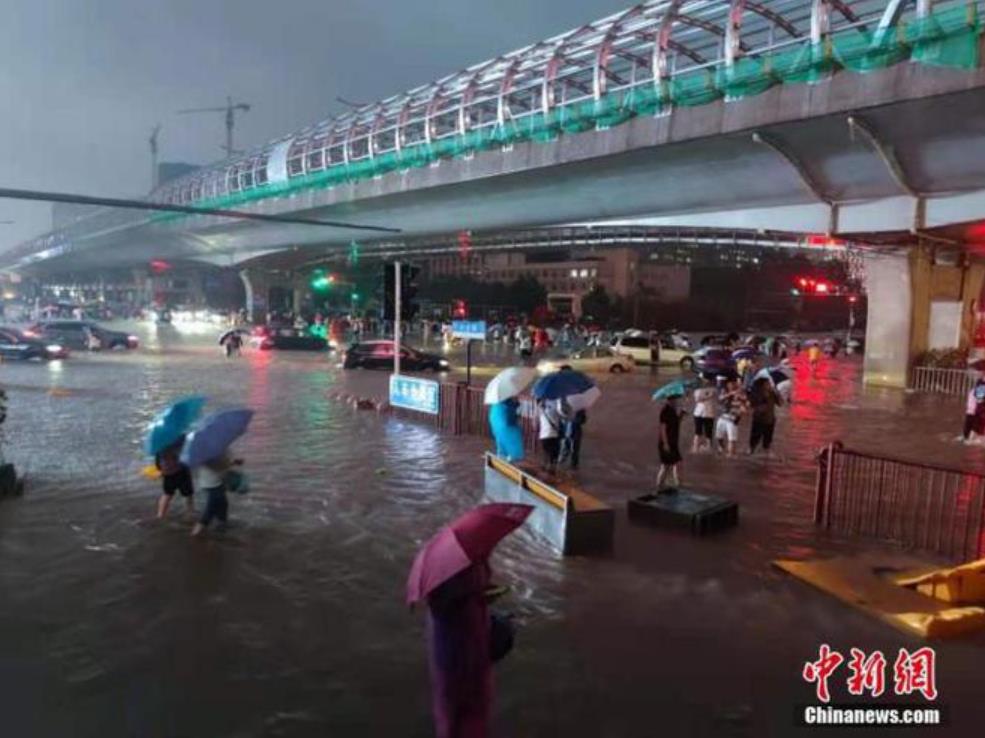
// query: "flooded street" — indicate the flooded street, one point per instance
point(292, 623)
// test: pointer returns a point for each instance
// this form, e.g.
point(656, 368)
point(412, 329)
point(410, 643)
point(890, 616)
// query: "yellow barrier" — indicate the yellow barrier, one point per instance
point(874, 584)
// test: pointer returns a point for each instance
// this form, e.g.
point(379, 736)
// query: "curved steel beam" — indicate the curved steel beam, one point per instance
point(705, 25)
point(603, 50)
point(662, 43)
point(820, 20)
point(733, 31)
point(775, 18)
point(806, 178)
point(886, 152)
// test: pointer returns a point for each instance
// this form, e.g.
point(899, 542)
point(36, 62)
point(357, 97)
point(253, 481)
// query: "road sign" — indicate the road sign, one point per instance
point(412, 393)
point(470, 330)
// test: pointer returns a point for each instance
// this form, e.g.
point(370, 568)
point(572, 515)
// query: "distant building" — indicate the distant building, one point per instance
point(619, 271)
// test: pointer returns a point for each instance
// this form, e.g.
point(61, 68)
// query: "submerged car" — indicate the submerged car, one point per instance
point(75, 334)
point(291, 339)
point(379, 355)
point(598, 359)
point(15, 345)
point(711, 362)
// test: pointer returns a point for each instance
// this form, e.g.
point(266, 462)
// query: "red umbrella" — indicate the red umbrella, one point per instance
point(454, 548)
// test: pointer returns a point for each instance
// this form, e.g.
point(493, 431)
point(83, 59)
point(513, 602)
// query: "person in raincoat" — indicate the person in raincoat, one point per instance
point(572, 429)
point(505, 425)
point(458, 633)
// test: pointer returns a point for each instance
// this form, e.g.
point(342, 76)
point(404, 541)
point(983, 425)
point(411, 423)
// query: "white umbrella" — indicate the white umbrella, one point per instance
point(583, 400)
point(509, 383)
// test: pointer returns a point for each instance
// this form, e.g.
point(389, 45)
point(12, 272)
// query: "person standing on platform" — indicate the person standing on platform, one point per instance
point(669, 442)
point(574, 421)
point(549, 418)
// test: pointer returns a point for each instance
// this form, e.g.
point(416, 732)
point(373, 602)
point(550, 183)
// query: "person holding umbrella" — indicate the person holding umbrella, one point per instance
point(207, 451)
point(500, 395)
point(577, 392)
point(165, 440)
point(668, 446)
point(175, 477)
point(451, 573)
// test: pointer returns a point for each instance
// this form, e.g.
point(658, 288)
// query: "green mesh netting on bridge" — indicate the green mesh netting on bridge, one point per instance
point(947, 38)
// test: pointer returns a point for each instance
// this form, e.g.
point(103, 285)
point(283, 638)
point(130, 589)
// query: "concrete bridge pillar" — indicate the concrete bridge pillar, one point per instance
point(244, 276)
point(915, 305)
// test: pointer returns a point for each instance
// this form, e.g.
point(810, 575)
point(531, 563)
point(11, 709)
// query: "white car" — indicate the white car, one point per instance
point(590, 360)
point(636, 346)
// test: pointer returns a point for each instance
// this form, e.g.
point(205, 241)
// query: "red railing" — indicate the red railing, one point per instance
point(462, 411)
point(919, 506)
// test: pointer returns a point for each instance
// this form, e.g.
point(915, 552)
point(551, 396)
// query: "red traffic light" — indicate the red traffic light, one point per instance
point(460, 309)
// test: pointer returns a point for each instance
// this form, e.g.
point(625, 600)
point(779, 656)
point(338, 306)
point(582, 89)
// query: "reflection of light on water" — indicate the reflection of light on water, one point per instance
point(56, 366)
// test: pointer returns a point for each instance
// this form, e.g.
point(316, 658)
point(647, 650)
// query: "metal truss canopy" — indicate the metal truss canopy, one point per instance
point(647, 44)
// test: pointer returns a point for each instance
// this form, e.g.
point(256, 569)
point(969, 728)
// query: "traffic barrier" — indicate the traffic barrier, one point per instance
point(462, 411)
point(572, 521)
point(923, 507)
point(945, 381)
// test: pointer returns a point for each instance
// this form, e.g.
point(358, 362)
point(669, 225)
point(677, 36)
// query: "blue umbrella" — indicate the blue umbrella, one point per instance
point(746, 353)
point(561, 384)
point(677, 388)
point(172, 423)
point(216, 434)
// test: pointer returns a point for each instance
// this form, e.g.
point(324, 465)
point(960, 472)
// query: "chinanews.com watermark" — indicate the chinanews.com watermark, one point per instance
point(913, 677)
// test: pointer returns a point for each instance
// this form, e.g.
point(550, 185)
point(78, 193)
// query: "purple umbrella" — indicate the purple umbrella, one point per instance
point(216, 434)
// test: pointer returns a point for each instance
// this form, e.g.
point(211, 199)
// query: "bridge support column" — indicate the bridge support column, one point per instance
point(916, 305)
point(244, 276)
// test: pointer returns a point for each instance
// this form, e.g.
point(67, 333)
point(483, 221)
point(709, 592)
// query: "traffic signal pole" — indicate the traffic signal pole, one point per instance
point(396, 317)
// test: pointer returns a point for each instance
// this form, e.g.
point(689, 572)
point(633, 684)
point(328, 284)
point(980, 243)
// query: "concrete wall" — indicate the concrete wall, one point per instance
point(901, 289)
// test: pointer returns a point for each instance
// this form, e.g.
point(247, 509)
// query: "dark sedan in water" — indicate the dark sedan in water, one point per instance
point(290, 339)
point(379, 355)
point(15, 345)
point(75, 334)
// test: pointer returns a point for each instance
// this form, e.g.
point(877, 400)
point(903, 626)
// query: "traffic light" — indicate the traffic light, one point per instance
point(408, 291)
point(459, 309)
point(321, 281)
point(353, 253)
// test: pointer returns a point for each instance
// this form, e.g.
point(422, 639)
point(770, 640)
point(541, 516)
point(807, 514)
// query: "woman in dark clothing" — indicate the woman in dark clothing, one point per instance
point(764, 400)
point(669, 443)
point(459, 654)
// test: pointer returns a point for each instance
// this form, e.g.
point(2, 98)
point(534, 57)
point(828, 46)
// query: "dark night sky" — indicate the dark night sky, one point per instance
point(83, 82)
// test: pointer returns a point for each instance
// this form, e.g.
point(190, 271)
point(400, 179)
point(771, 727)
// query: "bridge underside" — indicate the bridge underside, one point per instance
point(846, 159)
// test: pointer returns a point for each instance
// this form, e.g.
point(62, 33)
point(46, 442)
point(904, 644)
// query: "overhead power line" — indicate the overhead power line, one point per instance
point(112, 202)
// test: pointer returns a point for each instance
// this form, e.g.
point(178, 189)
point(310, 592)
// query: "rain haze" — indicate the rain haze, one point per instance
point(84, 83)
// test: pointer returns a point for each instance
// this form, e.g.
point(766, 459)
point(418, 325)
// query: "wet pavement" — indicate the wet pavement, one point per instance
point(292, 622)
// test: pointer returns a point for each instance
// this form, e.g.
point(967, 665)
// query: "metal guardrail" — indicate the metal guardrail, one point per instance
point(462, 411)
point(945, 381)
point(924, 507)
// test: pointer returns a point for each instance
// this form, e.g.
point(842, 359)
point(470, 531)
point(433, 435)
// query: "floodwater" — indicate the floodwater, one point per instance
point(292, 623)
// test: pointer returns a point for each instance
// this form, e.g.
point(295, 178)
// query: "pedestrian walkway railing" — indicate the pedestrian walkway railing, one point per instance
point(462, 411)
point(923, 507)
point(945, 381)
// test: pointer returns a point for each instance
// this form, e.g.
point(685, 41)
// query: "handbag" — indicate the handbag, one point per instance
point(501, 635)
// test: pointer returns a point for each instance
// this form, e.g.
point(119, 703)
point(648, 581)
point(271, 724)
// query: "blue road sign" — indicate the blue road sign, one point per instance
point(470, 330)
point(414, 394)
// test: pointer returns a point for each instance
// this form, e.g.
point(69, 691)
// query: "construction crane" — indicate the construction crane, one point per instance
point(153, 156)
point(229, 109)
